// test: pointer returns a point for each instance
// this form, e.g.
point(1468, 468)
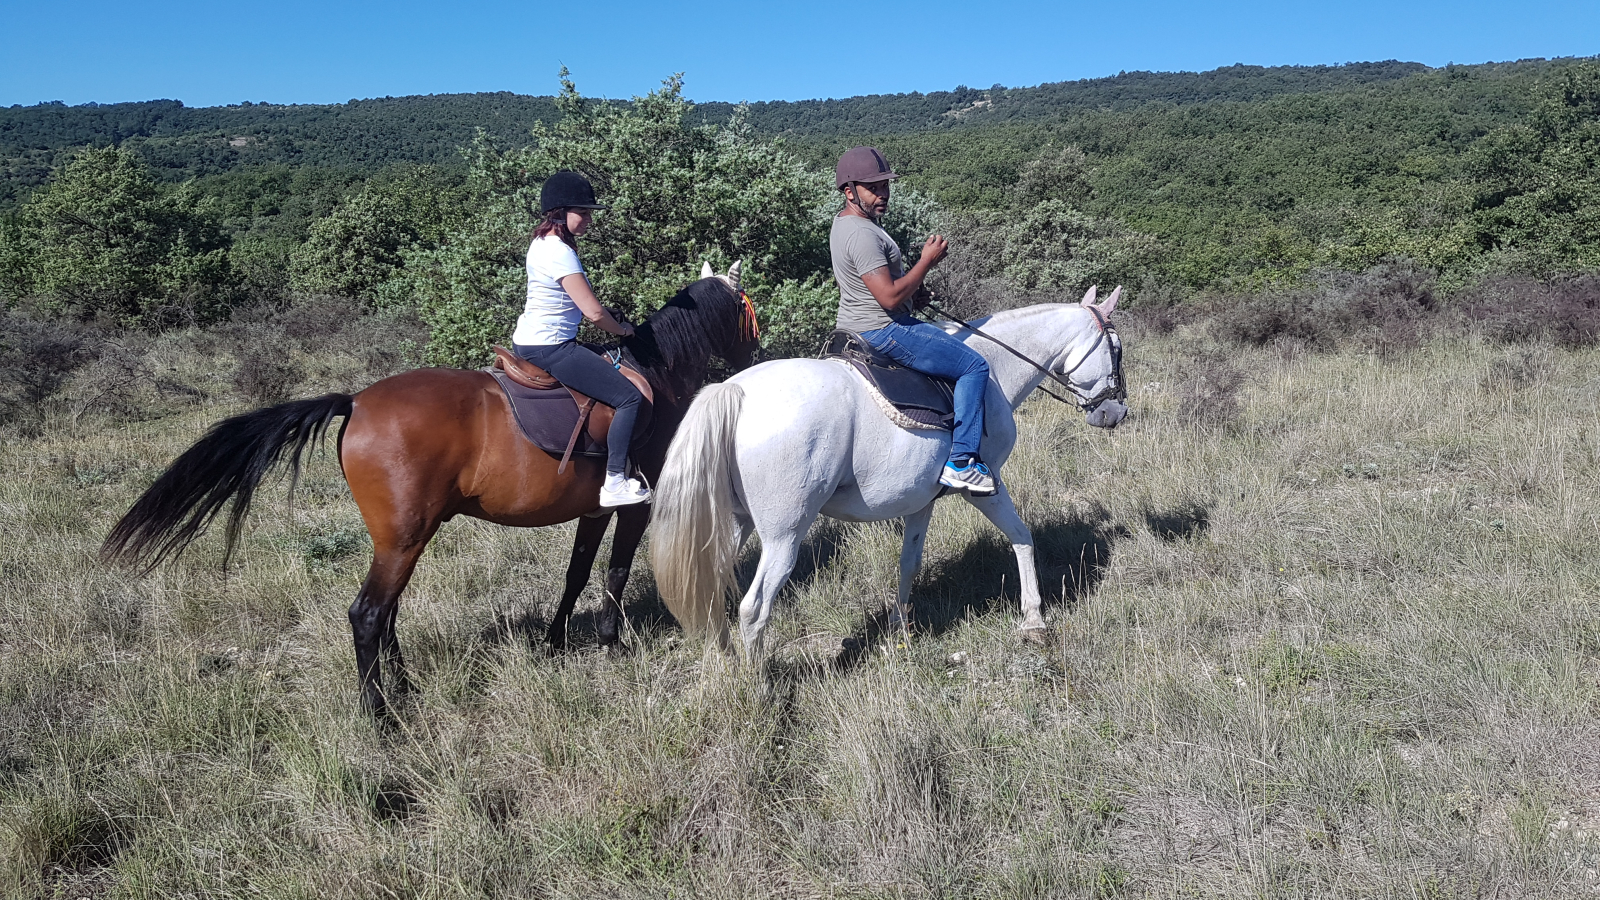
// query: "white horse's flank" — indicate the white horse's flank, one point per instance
point(780, 443)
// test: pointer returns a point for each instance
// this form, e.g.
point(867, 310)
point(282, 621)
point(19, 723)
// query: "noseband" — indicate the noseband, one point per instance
point(1112, 391)
point(1086, 402)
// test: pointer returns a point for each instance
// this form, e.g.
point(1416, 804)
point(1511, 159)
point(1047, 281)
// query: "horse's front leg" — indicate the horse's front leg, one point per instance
point(1000, 510)
point(584, 547)
point(631, 523)
point(916, 533)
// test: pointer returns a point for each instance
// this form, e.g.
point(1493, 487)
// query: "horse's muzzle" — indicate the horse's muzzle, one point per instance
point(1107, 413)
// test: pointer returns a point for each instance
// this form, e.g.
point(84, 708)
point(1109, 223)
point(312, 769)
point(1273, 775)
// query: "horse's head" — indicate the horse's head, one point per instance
point(741, 351)
point(1096, 377)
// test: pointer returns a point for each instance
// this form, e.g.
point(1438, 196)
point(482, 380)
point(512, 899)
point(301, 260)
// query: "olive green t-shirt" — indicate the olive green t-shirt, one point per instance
point(859, 246)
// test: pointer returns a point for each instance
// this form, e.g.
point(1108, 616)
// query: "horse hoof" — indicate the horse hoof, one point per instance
point(1039, 637)
point(618, 650)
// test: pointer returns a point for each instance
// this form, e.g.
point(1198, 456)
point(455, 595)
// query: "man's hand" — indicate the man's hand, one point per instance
point(894, 293)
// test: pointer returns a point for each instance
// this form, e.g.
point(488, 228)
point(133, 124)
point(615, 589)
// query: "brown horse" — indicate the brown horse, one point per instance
point(424, 446)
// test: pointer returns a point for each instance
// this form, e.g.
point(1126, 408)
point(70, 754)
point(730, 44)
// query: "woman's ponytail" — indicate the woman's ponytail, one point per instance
point(555, 222)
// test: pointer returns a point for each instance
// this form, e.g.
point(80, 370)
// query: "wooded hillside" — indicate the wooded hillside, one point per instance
point(1240, 178)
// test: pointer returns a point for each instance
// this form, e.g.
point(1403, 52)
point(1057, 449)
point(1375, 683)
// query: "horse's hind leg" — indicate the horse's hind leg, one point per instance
point(372, 618)
point(591, 531)
point(916, 532)
point(393, 659)
point(780, 547)
point(1000, 510)
point(631, 524)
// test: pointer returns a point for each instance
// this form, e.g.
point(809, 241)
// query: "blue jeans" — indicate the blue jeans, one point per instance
point(920, 346)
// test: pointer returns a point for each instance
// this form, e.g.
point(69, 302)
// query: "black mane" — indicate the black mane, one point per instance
point(701, 321)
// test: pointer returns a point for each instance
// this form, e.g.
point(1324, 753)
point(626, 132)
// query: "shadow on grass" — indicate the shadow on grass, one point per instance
point(1070, 553)
point(1179, 523)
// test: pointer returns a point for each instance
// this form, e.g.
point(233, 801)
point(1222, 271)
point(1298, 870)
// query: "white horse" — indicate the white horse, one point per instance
point(779, 443)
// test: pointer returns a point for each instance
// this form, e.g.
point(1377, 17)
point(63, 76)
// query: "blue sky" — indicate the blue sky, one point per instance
point(302, 52)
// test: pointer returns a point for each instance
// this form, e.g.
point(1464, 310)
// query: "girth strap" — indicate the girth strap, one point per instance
point(577, 429)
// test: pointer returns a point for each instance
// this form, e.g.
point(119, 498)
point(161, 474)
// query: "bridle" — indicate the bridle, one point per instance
point(1113, 390)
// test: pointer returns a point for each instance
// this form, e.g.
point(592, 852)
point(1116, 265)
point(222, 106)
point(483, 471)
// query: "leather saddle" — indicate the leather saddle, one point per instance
point(927, 399)
point(538, 401)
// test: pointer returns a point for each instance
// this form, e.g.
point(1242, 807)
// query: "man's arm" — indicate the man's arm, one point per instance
point(892, 293)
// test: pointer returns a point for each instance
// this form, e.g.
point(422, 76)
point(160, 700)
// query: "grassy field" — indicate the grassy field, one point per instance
point(1325, 625)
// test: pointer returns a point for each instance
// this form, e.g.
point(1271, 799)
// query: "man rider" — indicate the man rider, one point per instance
point(876, 299)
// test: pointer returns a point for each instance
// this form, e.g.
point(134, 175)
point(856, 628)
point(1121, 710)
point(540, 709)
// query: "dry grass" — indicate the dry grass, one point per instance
point(1346, 645)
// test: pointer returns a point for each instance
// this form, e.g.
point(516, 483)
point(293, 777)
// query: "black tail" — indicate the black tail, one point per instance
point(228, 462)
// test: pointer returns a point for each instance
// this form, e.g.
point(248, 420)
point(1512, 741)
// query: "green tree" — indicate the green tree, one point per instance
point(103, 239)
point(1046, 241)
point(1538, 184)
point(361, 244)
point(1052, 246)
point(679, 194)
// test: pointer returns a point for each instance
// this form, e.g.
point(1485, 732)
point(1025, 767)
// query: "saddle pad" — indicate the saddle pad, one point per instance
point(927, 400)
point(546, 418)
point(906, 416)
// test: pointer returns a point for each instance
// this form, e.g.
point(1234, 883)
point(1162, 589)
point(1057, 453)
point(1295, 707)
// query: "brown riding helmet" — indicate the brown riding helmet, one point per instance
point(863, 164)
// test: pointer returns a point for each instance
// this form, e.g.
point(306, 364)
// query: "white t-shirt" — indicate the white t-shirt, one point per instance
point(551, 316)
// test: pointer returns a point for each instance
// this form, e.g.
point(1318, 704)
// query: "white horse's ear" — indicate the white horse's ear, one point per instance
point(705, 270)
point(1111, 301)
point(733, 274)
point(1089, 295)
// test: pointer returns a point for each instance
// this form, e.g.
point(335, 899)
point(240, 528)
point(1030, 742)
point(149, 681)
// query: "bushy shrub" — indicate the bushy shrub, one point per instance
point(1514, 309)
point(317, 343)
point(102, 240)
point(268, 370)
point(1385, 307)
point(1208, 389)
point(1044, 247)
point(35, 358)
point(361, 245)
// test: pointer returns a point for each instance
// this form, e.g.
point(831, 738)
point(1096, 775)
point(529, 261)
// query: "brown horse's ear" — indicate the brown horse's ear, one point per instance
point(733, 273)
point(1089, 295)
point(705, 270)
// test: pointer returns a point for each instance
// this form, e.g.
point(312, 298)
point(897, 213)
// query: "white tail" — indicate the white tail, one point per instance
point(691, 520)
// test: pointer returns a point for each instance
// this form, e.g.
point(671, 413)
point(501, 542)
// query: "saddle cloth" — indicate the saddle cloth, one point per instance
point(547, 412)
point(922, 401)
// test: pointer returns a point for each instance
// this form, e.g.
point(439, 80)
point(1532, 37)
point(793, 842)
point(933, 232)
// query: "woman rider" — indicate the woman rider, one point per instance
point(559, 298)
point(875, 293)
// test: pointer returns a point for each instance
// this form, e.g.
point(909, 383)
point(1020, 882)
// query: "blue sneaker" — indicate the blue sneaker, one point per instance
point(974, 478)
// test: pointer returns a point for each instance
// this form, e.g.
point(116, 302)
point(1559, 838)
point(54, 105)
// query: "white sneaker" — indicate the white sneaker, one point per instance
point(620, 491)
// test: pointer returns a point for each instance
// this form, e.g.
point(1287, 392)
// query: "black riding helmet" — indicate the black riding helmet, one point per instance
point(567, 190)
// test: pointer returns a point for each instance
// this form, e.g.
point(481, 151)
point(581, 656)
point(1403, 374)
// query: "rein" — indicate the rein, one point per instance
point(1084, 401)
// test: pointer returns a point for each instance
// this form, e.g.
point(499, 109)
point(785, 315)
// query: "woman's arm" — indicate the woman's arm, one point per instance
point(892, 293)
point(577, 287)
